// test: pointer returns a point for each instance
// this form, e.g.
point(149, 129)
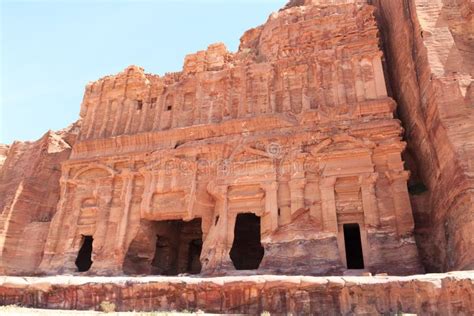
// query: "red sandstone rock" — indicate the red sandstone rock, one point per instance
point(295, 128)
point(29, 192)
point(436, 294)
point(3, 153)
point(430, 57)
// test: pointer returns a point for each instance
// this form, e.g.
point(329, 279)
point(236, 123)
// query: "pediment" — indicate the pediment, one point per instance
point(341, 143)
point(247, 153)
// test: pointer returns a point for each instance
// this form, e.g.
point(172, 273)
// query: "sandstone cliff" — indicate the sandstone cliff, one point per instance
point(29, 193)
point(266, 159)
point(429, 49)
point(3, 154)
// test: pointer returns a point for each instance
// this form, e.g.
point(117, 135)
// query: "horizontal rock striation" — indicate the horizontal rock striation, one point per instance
point(436, 294)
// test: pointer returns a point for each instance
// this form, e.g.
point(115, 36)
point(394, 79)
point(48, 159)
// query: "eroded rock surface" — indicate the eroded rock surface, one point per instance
point(429, 49)
point(29, 193)
point(436, 294)
point(284, 157)
point(3, 154)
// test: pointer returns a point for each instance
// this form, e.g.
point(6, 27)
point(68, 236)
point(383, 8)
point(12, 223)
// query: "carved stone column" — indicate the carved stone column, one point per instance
point(148, 190)
point(109, 248)
point(297, 194)
point(284, 203)
point(328, 202)
point(104, 200)
point(217, 245)
point(380, 87)
point(313, 198)
point(401, 201)
point(271, 205)
point(369, 200)
point(127, 197)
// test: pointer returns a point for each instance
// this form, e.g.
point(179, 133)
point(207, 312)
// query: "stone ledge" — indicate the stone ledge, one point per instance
point(445, 294)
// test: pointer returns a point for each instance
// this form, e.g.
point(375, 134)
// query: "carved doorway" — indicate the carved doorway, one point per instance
point(353, 246)
point(247, 251)
point(178, 247)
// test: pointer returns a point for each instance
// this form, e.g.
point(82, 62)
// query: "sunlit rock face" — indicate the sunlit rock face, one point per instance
point(29, 193)
point(429, 48)
point(284, 157)
point(434, 294)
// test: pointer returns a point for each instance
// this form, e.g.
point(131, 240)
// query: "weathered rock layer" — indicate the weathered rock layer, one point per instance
point(284, 157)
point(444, 294)
point(285, 154)
point(429, 50)
point(29, 193)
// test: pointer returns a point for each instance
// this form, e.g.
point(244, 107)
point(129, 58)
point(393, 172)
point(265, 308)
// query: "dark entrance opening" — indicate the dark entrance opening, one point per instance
point(84, 261)
point(354, 256)
point(194, 252)
point(247, 251)
point(178, 247)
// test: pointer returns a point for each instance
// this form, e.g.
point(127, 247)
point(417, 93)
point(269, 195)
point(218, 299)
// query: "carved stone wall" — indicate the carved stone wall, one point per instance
point(295, 128)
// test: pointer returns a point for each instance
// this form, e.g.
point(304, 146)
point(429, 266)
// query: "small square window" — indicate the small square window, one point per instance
point(139, 105)
point(168, 108)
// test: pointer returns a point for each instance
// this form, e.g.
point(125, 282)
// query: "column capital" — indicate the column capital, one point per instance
point(328, 182)
point(368, 179)
point(397, 175)
point(217, 191)
point(298, 183)
point(273, 185)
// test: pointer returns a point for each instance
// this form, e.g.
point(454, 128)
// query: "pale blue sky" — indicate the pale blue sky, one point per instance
point(50, 49)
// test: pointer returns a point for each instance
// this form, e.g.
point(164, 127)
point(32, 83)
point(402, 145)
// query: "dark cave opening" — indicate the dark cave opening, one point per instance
point(178, 248)
point(84, 256)
point(247, 251)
